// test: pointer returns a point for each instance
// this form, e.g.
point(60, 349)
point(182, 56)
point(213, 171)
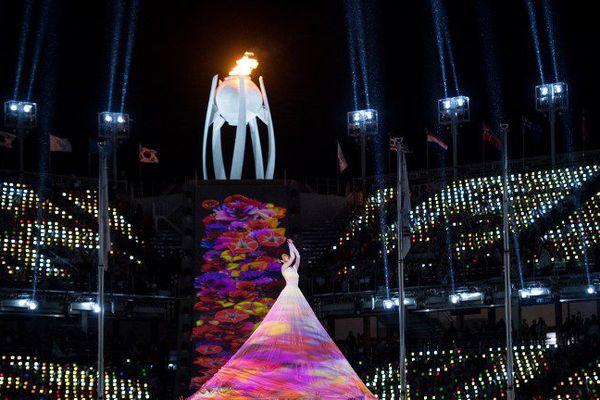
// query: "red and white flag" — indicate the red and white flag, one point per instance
point(60, 144)
point(432, 138)
point(342, 164)
point(7, 139)
point(148, 156)
point(489, 136)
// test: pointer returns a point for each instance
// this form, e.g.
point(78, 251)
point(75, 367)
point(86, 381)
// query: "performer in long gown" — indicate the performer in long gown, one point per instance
point(289, 356)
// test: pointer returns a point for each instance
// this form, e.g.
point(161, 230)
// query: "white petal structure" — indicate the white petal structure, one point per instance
point(238, 102)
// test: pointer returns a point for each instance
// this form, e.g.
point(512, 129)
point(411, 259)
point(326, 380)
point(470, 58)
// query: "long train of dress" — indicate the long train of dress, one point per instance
point(290, 356)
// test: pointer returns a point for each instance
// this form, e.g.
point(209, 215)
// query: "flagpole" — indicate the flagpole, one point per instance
point(399, 234)
point(427, 155)
point(140, 169)
point(104, 243)
point(483, 150)
point(583, 131)
point(510, 389)
point(523, 140)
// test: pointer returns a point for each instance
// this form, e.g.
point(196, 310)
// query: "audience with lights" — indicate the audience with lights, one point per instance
point(54, 239)
point(563, 372)
point(554, 216)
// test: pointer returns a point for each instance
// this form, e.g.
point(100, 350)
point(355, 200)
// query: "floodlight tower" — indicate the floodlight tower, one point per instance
point(239, 102)
point(111, 127)
point(361, 125)
point(550, 98)
point(454, 111)
point(22, 117)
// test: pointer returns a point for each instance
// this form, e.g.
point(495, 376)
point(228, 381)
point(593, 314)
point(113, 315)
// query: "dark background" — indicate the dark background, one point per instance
point(303, 54)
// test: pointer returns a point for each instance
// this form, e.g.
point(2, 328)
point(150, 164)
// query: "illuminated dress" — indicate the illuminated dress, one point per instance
point(290, 356)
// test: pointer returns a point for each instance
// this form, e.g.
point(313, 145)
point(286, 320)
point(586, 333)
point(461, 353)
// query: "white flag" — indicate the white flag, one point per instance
point(342, 164)
point(405, 208)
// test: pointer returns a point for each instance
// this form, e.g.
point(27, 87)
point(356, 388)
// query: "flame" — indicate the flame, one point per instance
point(245, 65)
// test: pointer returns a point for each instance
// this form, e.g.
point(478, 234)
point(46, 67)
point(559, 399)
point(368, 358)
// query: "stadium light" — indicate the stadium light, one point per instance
point(361, 125)
point(22, 117)
point(550, 98)
point(388, 304)
point(85, 304)
point(534, 290)
point(21, 301)
point(112, 127)
point(454, 111)
point(466, 295)
point(591, 289)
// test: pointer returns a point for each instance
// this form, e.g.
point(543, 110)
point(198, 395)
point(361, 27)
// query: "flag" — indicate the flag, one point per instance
point(60, 144)
point(489, 136)
point(405, 207)
point(7, 139)
point(435, 139)
point(148, 156)
point(342, 164)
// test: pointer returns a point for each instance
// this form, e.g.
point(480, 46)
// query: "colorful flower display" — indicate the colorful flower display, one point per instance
point(238, 280)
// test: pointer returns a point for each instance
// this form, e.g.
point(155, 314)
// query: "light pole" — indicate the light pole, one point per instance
point(454, 111)
point(550, 98)
point(402, 209)
point(510, 384)
point(361, 125)
point(111, 128)
point(22, 117)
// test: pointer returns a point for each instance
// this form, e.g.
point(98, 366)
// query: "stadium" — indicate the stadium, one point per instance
point(328, 223)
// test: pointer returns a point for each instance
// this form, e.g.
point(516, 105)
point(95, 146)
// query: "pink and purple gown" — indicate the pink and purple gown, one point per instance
point(289, 356)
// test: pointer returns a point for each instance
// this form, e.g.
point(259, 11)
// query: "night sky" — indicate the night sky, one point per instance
point(303, 52)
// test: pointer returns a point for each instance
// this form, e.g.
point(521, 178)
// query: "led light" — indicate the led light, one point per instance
point(27, 108)
point(591, 290)
point(557, 88)
point(447, 104)
point(454, 298)
point(544, 90)
point(120, 119)
point(108, 118)
point(13, 107)
point(387, 304)
point(31, 304)
point(460, 101)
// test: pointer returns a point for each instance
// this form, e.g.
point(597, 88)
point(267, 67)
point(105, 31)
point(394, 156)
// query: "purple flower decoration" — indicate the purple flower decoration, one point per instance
point(238, 226)
point(263, 281)
point(215, 228)
point(212, 256)
point(251, 275)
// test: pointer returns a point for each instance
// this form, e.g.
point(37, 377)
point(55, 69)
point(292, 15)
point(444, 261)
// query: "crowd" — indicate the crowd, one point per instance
point(130, 354)
point(68, 258)
point(461, 227)
point(541, 372)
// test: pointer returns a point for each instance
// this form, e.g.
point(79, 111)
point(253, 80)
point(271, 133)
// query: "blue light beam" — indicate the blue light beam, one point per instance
point(131, 30)
point(536, 39)
point(25, 25)
point(114, 51)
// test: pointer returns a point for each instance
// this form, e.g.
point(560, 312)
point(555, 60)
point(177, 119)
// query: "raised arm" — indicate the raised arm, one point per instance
point(296, 254)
